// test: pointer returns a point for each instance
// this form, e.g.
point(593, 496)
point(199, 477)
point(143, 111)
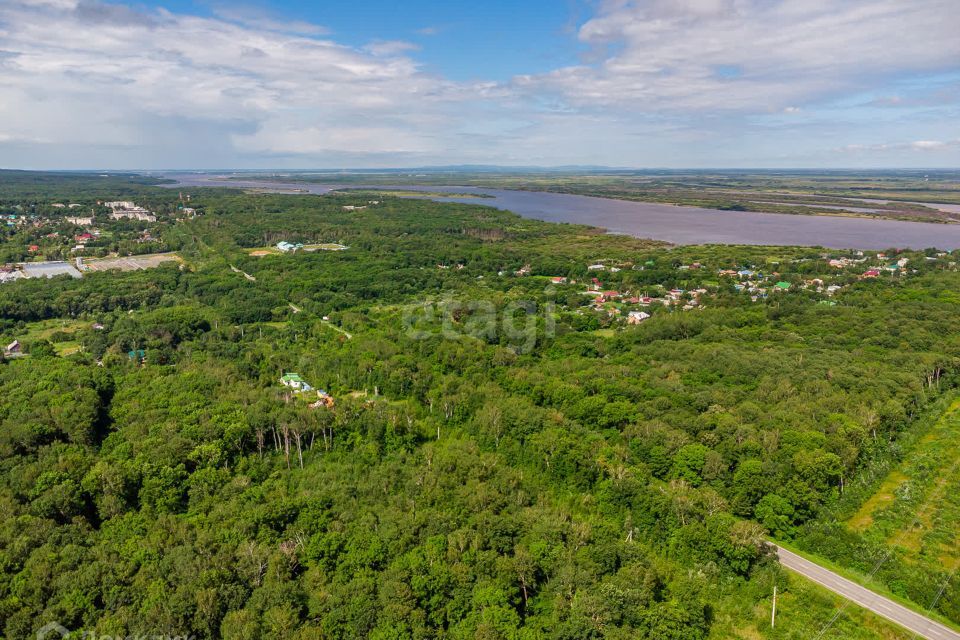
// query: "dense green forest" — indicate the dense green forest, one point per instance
point(504, 455)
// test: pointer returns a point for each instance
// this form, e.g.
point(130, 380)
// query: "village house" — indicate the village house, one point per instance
point(13, 348)
point(295, 382)
point(636, 317)
point(80, 221)
point(558, 280)
point(840, 263)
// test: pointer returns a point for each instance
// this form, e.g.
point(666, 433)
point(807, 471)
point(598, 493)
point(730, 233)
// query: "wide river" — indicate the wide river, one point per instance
point(678, 225)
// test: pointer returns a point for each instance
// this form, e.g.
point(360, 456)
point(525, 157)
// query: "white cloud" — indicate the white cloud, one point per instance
point(665, 53)
point(917, 145)
point(928, 144)
point(671, 82)
point(258, 18)
point(87, 73)
point(390, 47)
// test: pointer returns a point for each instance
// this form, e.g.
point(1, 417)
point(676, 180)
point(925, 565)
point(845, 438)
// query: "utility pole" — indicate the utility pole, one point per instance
point(773, 611)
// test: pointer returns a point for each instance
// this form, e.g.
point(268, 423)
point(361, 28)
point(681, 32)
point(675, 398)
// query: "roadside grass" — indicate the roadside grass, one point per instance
point(897, 527)
point(868, 582)
point(917, 507)
point(885, 495)
point(804, 609)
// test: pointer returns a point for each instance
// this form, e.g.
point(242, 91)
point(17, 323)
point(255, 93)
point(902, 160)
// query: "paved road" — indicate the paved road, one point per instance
point(907, 618)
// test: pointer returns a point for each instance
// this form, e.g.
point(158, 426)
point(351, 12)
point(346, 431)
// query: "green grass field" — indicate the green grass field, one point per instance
point(917, 507)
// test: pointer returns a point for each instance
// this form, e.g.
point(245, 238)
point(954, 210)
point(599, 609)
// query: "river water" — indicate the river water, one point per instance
point(674, 224)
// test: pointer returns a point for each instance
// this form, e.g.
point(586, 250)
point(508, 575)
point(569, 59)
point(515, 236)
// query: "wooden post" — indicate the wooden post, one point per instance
point(773, 611)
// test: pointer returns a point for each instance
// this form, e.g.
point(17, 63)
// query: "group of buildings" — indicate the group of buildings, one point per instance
point(299, 385)
point(124, 209)
point(288, 247)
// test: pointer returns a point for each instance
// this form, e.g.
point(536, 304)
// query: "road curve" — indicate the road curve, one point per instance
point(906, 618)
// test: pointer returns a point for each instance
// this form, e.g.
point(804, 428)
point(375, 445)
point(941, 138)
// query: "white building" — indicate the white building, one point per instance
point(125, 209)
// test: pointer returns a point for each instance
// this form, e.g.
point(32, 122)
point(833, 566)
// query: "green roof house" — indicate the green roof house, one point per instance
point(295, 382)
point(783, 286)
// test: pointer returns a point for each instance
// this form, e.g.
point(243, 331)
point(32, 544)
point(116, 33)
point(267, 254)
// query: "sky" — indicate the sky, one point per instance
point(311, 84)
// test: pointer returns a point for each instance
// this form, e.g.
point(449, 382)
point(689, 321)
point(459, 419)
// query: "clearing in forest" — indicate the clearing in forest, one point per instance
point(917, 507)
point(129, 263)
